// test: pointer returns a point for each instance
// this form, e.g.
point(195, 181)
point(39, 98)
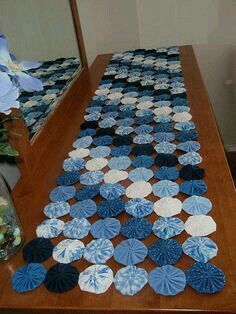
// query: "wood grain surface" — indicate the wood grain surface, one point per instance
point(31, 195)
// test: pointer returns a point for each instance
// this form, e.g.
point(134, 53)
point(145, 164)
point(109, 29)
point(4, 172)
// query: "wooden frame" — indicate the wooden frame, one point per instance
point(30, 150)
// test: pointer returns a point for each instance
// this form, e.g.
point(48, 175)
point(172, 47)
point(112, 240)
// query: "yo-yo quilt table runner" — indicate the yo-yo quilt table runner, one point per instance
point(135, 166)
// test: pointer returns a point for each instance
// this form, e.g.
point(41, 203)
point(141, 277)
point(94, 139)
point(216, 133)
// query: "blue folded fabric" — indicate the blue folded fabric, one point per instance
point(143, 149)
point(202, 249)
point(164, 252)
point(122, 140)
point(83, 142)
point(139, 207)
point(76, 228)
point(107, 123)
point(124, 130)
point(197, 205)
point(167, 227)
point(130, 252)
point(107, 228)
point(163, 127)
point(111, 191)
point(98, 251)
point(62, 193)
point(144, 112)
point(205, 278)
point(119, 163)
point(165, 188)
point(163, 118)
point(191, 158)
point(55, 210)
point(105, 131)
point(102, 140)
point(167, 280)
point(143, 139)
point(179, 109)
point(165, 148)
point(87, 192)
point(130, 280)
point(28, 278)
point(125, 122)
point(87, 132)
point(185, 136)
point(68, 178)
point(111, 208)
point(126, 114)
point(143, 129)
point(193, 187)
point(166, 173)
point(93, 109)
point(164, 137)
point(89, 125)
point(189, 146)
point(61, 278)
point(190, 172)
point(100, 152)
point(167, 160)
point(138, 228)
point(184, 126)
point(123, 150)
point(142, 161)
point(143, 120)
point(140, 174)
point(37, 250)
point(83, 209)
point(91, 177)
point(73, 164)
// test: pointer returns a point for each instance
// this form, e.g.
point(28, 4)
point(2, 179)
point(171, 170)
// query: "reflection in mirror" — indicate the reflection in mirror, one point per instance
point(42, 30)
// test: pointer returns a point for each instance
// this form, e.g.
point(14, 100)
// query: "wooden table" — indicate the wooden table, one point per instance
point(31, 194)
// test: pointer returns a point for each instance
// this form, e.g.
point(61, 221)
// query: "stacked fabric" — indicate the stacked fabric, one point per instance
point(135, 158)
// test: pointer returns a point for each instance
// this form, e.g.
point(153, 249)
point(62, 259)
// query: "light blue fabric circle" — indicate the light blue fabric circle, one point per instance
point(143, 129)
point(179, 109)
point(55, 210)
point(125, 122)
point(140, 174)
point(112, 114)
point(91, 177)
point(100, 152)
point(167, 280)
point(94, 116)
point(93, 109)
point(98, 251)
point(130, 280)
point(124, 130)
point(76, 228)
point(107, 228)
point(165, 188)
point(86, 132)
point(189, 146)
point(191, 158)
point(166, 173)
point(83, 142)
point(73, 164)
point(111, 191)
point(162, 118)
point(184, 126)
point(119, 163)
point(201, 249)
point(143, 139)
point(139, 207)
point(29, 277)
point(197, 205)
point(107, 123)
point(83, 209)
point(62, 193)
point(167, 227)
point(164, 137)
point(144, 112)
point(165, 148)
point(130, 252)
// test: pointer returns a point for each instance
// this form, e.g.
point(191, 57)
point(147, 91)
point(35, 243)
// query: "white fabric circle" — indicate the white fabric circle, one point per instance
point(96, 164)
point(139, 189)
point(162, 110)
point(200, 225)
point(114, 176)
point(145, 105)
point(128, 100)
point(168, 207)
point(182, 117)
point(79, 153)
point(68, 250)
point(115, 96)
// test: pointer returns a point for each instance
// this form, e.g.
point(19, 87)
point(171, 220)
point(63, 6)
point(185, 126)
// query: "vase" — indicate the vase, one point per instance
point(11, 235)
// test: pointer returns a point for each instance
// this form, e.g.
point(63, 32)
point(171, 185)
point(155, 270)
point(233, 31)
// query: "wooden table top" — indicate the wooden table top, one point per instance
point(31, 194)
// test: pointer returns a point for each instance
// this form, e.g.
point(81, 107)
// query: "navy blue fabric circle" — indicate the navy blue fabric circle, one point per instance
point(37, 250)
point(163, 127)
point(68, 178)
point(105, 131)
point(86, 132)
point(126, 114)
point(193, 187)
point(143, 120)
point(87, 192)
point(28, 277)
point(102, 140)
point(138, 228)
point(123, 150)
point(167, 160)
point(205, 278)
point(123, 140)
point(164, 252)
point(61, 278)
point(142, 161)
point(190, 172)
point(89, 125)
point(110, 108)
point(111, 208)
point(143, 149)
point(186, 136)
point(166, 173)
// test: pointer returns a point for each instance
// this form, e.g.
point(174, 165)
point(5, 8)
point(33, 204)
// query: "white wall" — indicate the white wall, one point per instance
point(208, 25)
point(38, 29)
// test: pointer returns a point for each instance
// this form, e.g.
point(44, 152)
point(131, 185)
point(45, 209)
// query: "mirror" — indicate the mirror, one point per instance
point(45, 31)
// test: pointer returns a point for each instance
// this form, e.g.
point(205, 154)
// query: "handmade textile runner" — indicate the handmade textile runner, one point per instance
point(133, 170)
point(56, 76)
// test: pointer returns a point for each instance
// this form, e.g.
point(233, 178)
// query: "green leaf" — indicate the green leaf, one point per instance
point(6, 149)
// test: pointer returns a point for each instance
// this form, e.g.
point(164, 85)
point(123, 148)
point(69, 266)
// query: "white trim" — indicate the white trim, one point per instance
point(230, 148)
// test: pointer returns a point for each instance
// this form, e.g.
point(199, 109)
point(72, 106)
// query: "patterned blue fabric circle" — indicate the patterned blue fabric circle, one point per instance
point(130, 252)
point(138, 228)
point(87, 192)
point(197, 205)
point(100, 152)
point(76, 228)
point(167, 227)
point(29, 277)
point(111, 191)
point(166, 173)
point(164, 252)
point(202, 249)
point(205, 278)
point(164, 137)
point(184, 126)
point(167, 280)
point(191, 158)
point(83, 142)
point(163, 127)
point(91, 177)
point(139, 207)
point(193, 187)
point(83, 209)
point(119, 163)
point(189, 146)
point(111, 208)
point(140, 174)
point(73, 164)
point(185, 136)
point(68, 251)
point(62, 193)
point(165, 188)
point(165, 148)
point(130, 280)
point(142, 161)
point(98, 251)
point(55, 210)
point(107, 228)
point(143, 129)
